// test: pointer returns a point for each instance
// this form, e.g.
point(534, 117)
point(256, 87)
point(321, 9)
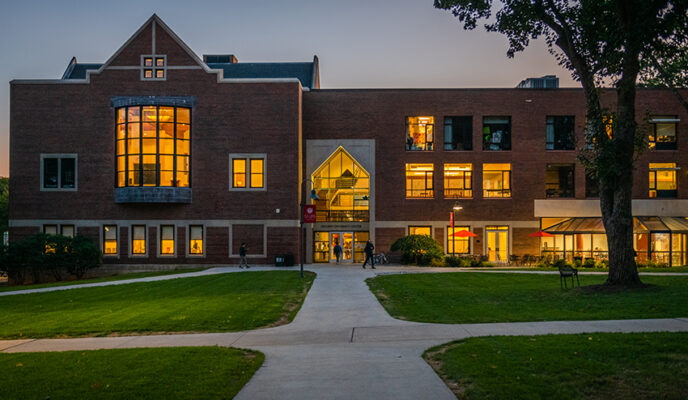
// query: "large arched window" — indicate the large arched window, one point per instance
point(343, 188)
point(153, 146)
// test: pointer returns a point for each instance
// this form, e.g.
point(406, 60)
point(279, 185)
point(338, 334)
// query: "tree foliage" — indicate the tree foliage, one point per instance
point(418, 249)
point(4, 203)
point(600, 42)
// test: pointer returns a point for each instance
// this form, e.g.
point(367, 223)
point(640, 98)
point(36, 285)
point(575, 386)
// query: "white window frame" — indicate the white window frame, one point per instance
point(188, 241)
point(154, 68)
point(131, 241)
point(59, 157)
point(176, 241)
point(247, 157)
point(58, 228)
point(102, 240)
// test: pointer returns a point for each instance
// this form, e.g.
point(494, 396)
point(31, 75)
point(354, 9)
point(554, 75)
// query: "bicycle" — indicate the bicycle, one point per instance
point(380, 258)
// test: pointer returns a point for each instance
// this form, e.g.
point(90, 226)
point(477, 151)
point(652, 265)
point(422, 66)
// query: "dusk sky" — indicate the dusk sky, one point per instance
point(360, 43)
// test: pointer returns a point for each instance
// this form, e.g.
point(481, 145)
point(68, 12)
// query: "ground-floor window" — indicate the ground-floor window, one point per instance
point(457, 244)
point(110, 240)
point(582, 245)
point(352, 243)
point(497, 243)
point(420, 230)
point(138, 240)
point(196, 240)
point(167, 246)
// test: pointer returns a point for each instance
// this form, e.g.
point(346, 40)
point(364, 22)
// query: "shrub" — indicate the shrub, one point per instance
point(438, 262)
point(603, 263)
point(589, 263)
point(85, 255)
point(453, 261)
point(560, 262)
point(418, 249)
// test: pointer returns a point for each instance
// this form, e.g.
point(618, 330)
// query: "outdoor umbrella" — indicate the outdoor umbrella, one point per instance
point(463, 234)
point(541, 234)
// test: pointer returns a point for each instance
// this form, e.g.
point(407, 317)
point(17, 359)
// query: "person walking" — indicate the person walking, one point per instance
point(369, 247)
point(337, 251)
point(242, 255)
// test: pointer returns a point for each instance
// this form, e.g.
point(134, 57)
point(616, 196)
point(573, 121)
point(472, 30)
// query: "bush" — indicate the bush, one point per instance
point(589, 263)
point(39, 254)
point(418, 249)
point(603, 263)
point(453, 261)
point(438, 262)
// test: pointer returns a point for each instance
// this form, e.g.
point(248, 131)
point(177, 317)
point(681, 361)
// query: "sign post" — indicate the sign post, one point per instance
point(309, 214)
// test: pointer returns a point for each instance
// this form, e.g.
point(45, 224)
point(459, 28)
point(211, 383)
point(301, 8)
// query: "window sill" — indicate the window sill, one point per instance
point(152, 194)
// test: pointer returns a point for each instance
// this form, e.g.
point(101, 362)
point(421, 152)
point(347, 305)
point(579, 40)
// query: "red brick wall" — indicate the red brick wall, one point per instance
point(384, 237)
point(252, 235)
point(522, 244)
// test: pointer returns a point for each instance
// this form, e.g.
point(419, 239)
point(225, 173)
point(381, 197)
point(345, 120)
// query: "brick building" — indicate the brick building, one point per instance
point(165, 157)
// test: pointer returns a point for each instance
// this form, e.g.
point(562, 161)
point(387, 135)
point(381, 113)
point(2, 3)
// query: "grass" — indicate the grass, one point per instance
point(214, 303)
point(478, 297)
point(589, 366)
point(581, 269)
point(118, 277)
point(156, 373)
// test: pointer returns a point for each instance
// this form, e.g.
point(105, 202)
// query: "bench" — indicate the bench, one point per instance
point(564, 273)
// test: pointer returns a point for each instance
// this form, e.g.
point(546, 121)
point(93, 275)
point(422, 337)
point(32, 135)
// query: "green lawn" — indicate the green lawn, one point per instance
point(103, 279)
point(158, 373)
point(589, 366)
point(581, 269)
point(214, 303)
point(465, 297)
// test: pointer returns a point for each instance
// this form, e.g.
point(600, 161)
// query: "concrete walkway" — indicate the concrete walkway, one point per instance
point(343, 344)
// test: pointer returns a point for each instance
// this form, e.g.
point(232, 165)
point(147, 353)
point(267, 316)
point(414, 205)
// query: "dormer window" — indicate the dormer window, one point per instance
point(153, 67)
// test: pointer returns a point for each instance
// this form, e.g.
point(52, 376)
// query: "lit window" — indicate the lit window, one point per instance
point(343, 189)
point(50, 229)
point(663, 135)
point(663, 180)
point(458, 133)
point(420, 133)
point(247, 171)
point(110, 239)
point(497, 133)
point(58, 172)
point(420, 230)
point(153, 67)
point(67, 230)
point(496, 180)
point(153, 146)
point(196, 239)
point(458, 244)
point(559, 180)
point(167, 240)
point(458, 181)
point(138, 239)
point(419, 181)
point(560, 133)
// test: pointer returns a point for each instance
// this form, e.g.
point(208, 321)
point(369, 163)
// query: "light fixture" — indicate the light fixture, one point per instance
point(457, 207)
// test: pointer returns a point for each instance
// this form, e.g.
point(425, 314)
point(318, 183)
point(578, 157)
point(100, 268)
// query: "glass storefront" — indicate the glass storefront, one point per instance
point(353, 244)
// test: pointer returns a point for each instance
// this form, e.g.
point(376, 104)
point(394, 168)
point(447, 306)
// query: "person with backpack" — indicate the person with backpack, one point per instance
point(242, 255)
point(338, 251)
point(369, 247)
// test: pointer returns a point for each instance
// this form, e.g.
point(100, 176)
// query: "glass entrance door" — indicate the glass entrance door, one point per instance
point(346, 240)
point(497, 243)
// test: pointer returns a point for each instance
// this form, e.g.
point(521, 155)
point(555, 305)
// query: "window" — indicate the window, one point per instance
point(663, 180)
point(420, 230)
point(343, 189)
point(496, 180)
point(138, 239)
point(458, 181)
point(67, 230)
point(50, 229)
point(419, 181)
point(560, 133)
point(58, 171)
point(559, 180)
point(153, 67)
point(110, 239)
point(247, 171)
point(458, 244)
point(167, 246)
point(196, 240)
point(663, 135)
point(458, 133)
point(153, 146)
point(496, 133)
point(592, 186)
point(419, 133)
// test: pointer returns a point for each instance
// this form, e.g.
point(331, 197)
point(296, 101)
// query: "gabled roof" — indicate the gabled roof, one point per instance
point(303, 71)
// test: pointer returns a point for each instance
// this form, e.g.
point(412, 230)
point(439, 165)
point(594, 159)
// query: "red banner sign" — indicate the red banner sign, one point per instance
point(309, 213)
point(451, 219)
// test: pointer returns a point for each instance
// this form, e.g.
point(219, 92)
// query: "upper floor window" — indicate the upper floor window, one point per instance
point(58, 171)
point(496, 133)
point(663, 134)
point(247, 171)
point(458, 180)
point(663, 180)
point(419, 181)
point(559, 180)
point(153, 67)
point(420, 133)
point(560, 133)
point(458, 133)
point(496, 180)
point(343, 189)
point(153, 146)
